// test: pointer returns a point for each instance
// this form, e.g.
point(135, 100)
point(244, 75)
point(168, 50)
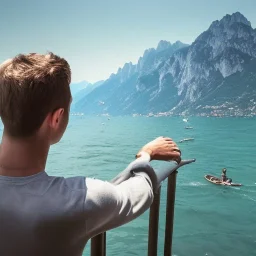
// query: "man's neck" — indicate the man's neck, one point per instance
point(22, 157)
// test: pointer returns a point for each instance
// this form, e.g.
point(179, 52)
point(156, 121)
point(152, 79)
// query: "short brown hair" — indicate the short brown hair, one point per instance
point(31, 86)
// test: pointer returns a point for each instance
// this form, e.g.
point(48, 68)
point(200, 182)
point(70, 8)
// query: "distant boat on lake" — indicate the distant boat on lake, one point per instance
point(186, 139)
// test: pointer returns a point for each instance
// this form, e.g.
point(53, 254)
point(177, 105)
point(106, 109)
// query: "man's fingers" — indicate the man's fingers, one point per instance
point(175, 153)
point(177, 150)
point(170, 142)
point(168, 139)
point(173, 145)
point(163, 148)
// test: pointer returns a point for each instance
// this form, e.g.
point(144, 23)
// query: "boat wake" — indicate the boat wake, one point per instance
point(245, 195)
point(249, 198)
point(194, 184)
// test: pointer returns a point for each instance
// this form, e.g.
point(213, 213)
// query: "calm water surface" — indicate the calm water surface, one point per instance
point(209, 220)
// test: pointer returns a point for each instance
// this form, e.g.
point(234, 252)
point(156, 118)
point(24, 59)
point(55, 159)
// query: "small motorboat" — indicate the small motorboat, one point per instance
point(189, 127)
point(218, 181)
point(186, 139)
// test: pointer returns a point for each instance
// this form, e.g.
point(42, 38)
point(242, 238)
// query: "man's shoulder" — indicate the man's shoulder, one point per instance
point(76, 182)
point(73, 183)
point(69, 192)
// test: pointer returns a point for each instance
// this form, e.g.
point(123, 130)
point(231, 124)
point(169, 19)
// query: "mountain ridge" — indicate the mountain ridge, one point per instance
point(186, 79)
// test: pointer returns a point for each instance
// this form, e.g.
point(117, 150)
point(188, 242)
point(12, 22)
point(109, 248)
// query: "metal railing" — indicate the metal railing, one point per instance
point(98, 243)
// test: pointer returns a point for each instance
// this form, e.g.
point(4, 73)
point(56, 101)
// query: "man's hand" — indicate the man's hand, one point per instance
point(162, 148)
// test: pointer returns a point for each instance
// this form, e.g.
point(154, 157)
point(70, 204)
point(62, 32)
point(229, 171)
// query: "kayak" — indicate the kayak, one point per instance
point(218, 181)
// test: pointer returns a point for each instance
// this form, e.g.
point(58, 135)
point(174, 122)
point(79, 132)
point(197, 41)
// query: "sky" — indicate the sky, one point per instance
point(97, 37)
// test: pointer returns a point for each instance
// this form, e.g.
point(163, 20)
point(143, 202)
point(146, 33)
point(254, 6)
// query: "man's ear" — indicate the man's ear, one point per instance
point(56, 117)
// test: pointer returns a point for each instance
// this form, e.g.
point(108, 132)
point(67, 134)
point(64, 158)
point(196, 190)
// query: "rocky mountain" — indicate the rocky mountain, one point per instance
point(117, 92)
point(216, 73)
point(81, 89)
point(76, 87)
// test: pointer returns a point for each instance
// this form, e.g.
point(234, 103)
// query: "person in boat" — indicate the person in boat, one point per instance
point(47, 215)
point(224, 177)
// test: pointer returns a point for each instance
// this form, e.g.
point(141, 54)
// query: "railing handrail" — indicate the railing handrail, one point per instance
point(98, 243)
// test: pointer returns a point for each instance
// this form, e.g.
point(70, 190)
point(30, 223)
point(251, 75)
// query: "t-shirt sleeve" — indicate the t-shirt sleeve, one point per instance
point(108, 206)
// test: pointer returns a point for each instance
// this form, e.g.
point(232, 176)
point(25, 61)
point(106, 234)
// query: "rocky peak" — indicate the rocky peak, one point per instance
point(179, 44)
point(230, 24)
point(163, 45)
point(152, 57)
point(233, 31)
point(234, 18)
point(149, 61)
point(126, 71)
point(228, 20)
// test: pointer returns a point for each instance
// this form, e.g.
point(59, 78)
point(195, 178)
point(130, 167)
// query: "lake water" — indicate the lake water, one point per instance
point(209, 219)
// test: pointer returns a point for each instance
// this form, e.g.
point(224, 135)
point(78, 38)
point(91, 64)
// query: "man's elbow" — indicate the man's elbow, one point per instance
point(146, 198)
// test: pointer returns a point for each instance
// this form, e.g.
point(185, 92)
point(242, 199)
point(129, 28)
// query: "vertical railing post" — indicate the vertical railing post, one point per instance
point(98, 245)
point(153, 224)
point(171, 187)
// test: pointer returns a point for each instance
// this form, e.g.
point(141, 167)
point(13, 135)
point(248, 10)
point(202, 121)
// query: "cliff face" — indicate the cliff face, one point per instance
point(119, 93)
point(216, 71)
point(217, 67)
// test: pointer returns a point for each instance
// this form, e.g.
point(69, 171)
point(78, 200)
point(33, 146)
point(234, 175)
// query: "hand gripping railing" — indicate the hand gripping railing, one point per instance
point(98, 243)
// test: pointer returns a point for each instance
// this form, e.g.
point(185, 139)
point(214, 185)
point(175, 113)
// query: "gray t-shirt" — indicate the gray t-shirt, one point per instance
point(46, 215)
